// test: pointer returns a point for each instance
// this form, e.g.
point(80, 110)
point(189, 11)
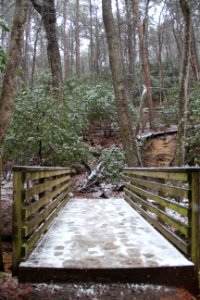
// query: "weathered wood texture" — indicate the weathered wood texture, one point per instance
point(169, 198)
point(39, 194)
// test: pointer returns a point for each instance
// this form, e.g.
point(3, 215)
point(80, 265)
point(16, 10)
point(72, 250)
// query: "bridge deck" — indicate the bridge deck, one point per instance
point(105, 240)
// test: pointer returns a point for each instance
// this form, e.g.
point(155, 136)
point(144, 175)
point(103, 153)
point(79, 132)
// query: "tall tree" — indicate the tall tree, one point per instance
point(184, 80)
point(145, 62)
point(131, 47)
point(9, 87)
point(194, 56)
point(66, 72)
point(91, 57)
point(46, 8)
point(116, 65)
point(77, 38)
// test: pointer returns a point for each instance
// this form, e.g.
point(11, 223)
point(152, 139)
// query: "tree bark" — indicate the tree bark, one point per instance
point(9, 87)
point(183, 89)
point(194, 56)
point(46, 9)
point(131, 45)
point(116, 64)
point(66, 71)
point(145, 63)
point(34, 55)
point(77, 38)
point(92, 61)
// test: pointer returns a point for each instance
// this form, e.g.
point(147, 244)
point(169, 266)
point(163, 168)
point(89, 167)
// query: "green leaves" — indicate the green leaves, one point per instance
point(113, 161)
point(49, 133)
point(4, 26)
point(3, 55)
point(3, 59)
point(193, 138)
point(43, 130)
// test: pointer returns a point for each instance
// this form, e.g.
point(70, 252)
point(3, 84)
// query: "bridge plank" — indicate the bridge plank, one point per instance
point(183, 228)
point(40, 188)
point(160, 187)
point(28, 246)
point(29, 227)
point(158, 174)
point(176, 240)
point(28, 210)
point(163, 201)
point(105, 239)
point(35, 175)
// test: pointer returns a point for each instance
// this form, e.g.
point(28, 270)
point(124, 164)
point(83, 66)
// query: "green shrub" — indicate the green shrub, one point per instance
point(43, 130)
point(113, 161)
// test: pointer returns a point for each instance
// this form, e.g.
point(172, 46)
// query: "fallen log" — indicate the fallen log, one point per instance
point(93, 177)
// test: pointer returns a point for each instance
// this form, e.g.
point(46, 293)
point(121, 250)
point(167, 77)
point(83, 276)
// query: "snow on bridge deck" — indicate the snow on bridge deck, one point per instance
point(104, 239)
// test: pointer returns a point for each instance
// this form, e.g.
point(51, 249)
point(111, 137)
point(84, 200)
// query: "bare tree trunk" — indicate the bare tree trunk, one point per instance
point(66, 71)
point(72, 43)
point(119, 27)
point(116, 64)
point(97, 50)
point(34, 54)
point(184, 79)
point(139, 116)
point(92, 62)
point(145, 63)
point(77, 38)
point(131, 45)
point(26, 47)
point(9, 87)
point(194, 56)
point(48, 14)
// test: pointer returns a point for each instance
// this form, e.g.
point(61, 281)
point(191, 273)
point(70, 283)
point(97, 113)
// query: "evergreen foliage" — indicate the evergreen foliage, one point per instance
point(47, 133)
point(43, 131)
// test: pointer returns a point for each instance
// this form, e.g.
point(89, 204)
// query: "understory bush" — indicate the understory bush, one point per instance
point(193, 137)
point(113, 162)
point(42, 130)
point(45, 132)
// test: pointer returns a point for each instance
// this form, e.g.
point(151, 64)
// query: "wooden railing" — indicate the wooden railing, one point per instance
point(39, 194)
point(169, 198)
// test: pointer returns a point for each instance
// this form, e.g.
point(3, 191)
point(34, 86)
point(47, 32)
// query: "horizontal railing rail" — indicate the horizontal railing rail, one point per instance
point(169, 198)
point(39, 193)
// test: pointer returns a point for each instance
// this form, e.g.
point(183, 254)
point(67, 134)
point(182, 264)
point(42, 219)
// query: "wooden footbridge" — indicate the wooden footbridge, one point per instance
point(56, 238)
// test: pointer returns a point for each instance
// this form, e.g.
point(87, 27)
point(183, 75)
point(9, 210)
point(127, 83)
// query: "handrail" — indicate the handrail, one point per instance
point(39, 193)
point(169, 198)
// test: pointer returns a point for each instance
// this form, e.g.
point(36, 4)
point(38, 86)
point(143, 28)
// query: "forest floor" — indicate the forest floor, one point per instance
point(161, 152)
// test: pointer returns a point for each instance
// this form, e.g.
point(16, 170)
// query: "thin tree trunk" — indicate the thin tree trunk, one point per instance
point(92, 62)
point(140, 113)
point(116, 64)
point(66, 72)
point(194, 56)
point(119, 27)
point(26, 47)
point(77, 38)
point(48, 14)
point(34, 54)
point(9, 87)
point(131, 45)
point(184, 80)
point(145, 63)
point(97, 54)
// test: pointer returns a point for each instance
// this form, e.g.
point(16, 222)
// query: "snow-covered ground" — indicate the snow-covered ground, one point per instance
point(103, 233)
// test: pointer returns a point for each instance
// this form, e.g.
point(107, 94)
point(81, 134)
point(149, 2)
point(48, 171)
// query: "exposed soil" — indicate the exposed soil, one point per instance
point(160, 151)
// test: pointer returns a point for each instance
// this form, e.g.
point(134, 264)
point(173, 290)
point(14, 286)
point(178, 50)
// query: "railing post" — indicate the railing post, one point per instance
point(194, 181)
point(18, 195)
